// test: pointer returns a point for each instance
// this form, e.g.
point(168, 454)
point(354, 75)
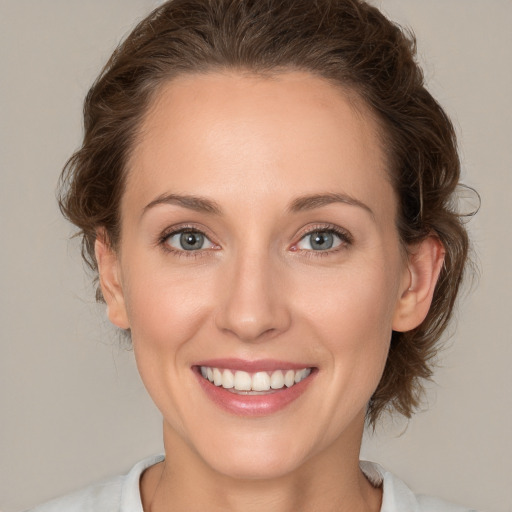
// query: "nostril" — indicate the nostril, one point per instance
point(250, 331)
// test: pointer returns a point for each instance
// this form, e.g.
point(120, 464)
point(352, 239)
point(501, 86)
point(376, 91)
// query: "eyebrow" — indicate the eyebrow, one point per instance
point(303, 203)
point(318, 200)
point(196, 203)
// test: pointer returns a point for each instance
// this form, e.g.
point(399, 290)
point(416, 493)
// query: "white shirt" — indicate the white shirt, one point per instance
point(122, 494)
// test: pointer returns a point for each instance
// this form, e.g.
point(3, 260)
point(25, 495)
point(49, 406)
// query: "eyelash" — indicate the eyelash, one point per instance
point(346, 240)
point(164, 237)
point(345, 237)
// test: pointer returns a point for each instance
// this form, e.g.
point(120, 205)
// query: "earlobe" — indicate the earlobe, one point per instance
point(110, 281)
point(424, 265)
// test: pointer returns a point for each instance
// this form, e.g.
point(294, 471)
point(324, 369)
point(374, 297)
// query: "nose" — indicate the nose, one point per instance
point(253, 302)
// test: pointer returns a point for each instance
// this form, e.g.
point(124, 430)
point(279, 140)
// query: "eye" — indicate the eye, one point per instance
point(188, 240)
point(320, 240)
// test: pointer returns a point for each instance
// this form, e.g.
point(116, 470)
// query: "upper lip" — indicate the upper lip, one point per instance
point(259, 365)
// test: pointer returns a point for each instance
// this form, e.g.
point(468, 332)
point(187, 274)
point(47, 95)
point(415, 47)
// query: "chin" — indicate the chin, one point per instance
point(265, 453)
point(257, 465)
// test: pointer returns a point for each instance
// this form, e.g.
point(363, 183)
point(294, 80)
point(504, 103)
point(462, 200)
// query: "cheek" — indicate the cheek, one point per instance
point(165, 307)
point(166, 310)
point(351, 301)
point(352, 314)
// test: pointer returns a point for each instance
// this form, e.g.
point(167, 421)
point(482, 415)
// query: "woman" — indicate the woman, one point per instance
point(265, 189)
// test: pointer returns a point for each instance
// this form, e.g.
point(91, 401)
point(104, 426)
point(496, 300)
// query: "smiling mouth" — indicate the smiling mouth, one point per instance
point(262, 382)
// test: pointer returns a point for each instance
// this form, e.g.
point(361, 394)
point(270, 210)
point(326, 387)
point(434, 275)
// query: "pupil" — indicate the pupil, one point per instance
point(191, 241)
point(321, 240)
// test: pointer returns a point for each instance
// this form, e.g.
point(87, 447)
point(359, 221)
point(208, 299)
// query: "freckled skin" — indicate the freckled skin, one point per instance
point(256, 290)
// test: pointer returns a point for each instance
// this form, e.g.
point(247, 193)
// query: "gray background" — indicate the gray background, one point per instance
point(73, 409)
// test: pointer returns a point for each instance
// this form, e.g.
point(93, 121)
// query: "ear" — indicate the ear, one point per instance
point(110, 280)
point(425, 261)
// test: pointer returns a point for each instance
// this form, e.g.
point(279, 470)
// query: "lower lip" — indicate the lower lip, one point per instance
point(253, 405)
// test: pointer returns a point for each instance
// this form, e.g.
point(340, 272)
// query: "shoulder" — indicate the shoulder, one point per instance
point(119, 494)
point(398, 497)
point(103, 496)
point(431, 504)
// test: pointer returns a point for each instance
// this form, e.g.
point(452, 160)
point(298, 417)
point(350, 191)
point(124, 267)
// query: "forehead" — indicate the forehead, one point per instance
point(230, 134)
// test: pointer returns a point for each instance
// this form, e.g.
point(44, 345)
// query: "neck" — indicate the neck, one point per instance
point(327, 482)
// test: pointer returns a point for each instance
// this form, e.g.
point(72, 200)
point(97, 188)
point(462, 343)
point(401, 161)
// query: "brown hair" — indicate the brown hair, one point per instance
point(345, 41)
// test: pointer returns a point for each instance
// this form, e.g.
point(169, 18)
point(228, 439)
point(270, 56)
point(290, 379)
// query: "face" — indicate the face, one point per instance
point(258, 250)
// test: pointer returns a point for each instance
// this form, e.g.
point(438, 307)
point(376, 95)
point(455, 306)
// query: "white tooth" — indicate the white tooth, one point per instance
point(204, 372)
point(209, 374)
point(302, 374)
point(261, 381)
point(217, 377)
point(289, 378)
point(242, 381)
point(277, 380)
point(299, 375)
point(227, 379)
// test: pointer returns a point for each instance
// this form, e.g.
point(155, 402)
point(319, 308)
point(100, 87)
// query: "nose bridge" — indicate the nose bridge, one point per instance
point(253, 303)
